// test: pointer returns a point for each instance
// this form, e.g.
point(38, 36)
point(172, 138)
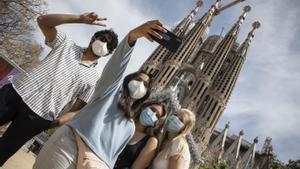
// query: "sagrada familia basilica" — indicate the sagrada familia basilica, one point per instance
point(204, 71)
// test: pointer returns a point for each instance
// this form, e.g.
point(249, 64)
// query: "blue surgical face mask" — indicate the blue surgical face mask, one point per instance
point(174, 125)
point(148, 117)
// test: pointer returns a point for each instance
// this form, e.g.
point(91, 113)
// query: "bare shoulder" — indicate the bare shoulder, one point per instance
point(152, 141)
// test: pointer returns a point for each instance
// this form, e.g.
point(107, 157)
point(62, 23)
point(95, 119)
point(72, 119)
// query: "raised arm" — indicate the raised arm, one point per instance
point(48, 23)
point(114, 69)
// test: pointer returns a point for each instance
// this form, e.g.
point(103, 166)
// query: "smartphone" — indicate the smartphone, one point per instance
point(169, 40)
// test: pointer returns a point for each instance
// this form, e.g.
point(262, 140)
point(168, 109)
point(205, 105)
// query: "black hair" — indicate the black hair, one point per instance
point(125, 102)
point(155, 130)
point(108, 36)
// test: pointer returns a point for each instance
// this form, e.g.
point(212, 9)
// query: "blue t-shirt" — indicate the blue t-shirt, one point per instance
point(101, 124)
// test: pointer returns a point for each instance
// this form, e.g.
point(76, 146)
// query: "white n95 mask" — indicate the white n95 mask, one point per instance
point(99, 48)
point(137, 89)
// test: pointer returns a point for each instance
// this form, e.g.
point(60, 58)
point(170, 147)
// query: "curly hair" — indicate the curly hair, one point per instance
point(111, 38)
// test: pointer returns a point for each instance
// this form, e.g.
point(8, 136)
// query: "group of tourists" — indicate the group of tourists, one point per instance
point(114, 122)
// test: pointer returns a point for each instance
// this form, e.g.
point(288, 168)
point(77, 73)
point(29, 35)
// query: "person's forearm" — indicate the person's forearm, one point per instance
point(52, 20)
point(63, 119)
point(79, 104)
point(66, 117)
point(132, 37)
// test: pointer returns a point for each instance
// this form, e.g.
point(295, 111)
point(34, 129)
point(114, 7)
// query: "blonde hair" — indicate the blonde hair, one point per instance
point(181, 137)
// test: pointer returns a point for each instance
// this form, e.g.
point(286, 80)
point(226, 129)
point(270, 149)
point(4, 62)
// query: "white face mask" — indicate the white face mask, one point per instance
point(99, 48)
point(137, 89)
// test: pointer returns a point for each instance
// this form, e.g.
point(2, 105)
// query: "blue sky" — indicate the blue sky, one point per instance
point(266, 99)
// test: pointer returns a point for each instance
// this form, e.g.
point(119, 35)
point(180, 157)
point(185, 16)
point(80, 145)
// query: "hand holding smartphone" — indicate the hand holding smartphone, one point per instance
point(169, 40)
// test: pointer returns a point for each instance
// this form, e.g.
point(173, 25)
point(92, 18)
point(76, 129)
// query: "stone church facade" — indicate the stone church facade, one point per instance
point(204, 71)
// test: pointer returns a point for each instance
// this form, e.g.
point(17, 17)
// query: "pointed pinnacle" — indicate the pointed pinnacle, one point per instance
point(196, 8)
point(199, 3)
point(227, 125)
point(255, 25)
point(246, 10)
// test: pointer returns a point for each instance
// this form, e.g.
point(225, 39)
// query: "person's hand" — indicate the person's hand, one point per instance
point(148, 29)
point(54, 123)
point(92, 19)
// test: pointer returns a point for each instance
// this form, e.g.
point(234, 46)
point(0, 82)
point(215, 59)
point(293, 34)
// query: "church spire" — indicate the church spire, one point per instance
point(219, 143)
point(224, 47)
point(192, 39)
point(182, 28)
point(245, 45)
point(155, 61)
point(232, 154)
point(229, 72)
point(212, 67)
point(247, 161)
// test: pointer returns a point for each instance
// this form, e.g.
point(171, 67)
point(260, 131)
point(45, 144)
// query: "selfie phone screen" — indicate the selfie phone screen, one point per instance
point(169, 40)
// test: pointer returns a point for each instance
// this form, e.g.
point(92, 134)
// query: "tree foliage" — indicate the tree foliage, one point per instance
point(292, 164)
point(215, 166)
point(16, 29)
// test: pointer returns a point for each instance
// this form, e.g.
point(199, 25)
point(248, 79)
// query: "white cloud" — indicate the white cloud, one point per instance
point(266, 99)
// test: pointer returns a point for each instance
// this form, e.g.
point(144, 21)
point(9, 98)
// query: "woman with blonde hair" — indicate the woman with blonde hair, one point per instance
point(174, 153)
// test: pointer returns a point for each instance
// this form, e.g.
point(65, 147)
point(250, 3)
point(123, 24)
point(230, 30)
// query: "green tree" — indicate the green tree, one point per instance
point(293, 164)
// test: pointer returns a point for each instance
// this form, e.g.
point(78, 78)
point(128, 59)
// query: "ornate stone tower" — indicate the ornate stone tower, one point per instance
point(266, 155)
point(232, 154)
point(158, 57)
point(193, 38)
point(216, 149)
point(206, 98)
point(248, 160)
point(203, 77)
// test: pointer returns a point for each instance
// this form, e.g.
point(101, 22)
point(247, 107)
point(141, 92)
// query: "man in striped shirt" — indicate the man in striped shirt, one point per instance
point(34, 100)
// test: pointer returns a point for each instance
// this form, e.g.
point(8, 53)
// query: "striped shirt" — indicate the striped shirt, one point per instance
point(57, 80)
